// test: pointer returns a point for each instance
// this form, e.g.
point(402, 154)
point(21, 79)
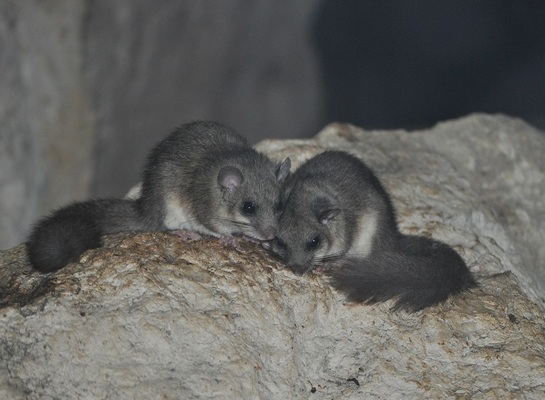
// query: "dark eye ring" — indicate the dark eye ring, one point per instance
point(314, 242)
point(248, 208)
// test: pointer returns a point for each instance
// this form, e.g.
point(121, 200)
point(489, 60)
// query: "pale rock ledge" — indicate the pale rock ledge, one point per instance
point(148, 316)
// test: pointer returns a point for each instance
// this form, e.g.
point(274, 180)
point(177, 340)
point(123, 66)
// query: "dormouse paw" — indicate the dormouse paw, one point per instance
point(327, 266)
point(251, 239)
point(186, 236)
point(229, 241)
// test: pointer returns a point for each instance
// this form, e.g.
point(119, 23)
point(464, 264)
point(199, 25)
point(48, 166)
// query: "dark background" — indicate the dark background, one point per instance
point(409, 64)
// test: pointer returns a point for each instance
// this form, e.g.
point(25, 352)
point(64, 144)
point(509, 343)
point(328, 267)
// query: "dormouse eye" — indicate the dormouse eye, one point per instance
point(313, 243)
point(248, 208)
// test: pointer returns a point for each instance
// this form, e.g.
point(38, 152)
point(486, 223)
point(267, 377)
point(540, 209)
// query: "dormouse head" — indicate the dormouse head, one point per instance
point(251, 198)
point(310, 233)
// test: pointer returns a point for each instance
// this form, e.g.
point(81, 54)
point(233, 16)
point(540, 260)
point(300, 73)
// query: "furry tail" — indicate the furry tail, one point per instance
point(63, 236)
point(419, 273)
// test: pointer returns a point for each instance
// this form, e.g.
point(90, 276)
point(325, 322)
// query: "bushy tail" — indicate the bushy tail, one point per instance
point(419, 273)
point(63, 236)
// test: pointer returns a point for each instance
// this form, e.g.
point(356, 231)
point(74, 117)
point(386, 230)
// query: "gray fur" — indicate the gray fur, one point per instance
point(186, 167)
point(327, 197)
point(203, 177)
point(337, 214)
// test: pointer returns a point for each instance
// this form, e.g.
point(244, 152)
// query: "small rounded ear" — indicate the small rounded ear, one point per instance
point(283, 170)
point(230, 178)
point(328, 215)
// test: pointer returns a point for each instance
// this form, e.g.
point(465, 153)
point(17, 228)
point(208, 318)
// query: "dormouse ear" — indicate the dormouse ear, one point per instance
point(328, 215)
point(230, 178)
point(283, 170)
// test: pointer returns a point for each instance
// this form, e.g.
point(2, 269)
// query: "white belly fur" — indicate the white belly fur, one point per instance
point(178, 216)
point(363, 240)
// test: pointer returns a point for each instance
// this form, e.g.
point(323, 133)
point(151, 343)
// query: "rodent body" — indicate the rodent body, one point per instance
point(336, 212)
point(203, 178)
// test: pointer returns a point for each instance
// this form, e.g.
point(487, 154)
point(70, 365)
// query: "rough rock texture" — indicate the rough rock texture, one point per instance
point(148, 316)
point(46, 140)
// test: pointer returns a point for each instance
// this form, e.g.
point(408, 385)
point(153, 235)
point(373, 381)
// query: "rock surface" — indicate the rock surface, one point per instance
point(148, 316)
point(46, 140)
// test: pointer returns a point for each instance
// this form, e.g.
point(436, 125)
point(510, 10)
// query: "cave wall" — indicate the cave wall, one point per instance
point(247, 64)
point(100, 80)
point(46, 118)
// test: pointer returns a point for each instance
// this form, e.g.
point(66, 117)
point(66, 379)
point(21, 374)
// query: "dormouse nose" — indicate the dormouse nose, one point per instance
point(298, 269)
point(269, 232)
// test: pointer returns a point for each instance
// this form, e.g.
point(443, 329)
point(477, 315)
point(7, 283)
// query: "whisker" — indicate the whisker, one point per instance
point(330, 257)
point(245, 228)
point(232, 221)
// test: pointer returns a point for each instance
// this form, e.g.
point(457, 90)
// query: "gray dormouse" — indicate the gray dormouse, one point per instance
point(336, 213)
point(203, 178)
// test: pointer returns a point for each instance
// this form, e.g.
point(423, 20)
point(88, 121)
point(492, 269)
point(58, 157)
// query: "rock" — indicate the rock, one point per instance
point(149, 316)
point(47, 139)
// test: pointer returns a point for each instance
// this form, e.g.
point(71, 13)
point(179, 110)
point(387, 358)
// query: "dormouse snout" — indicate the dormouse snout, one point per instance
point(276, 248)
point(269, 232)
point(280, 251)
point(298, 269)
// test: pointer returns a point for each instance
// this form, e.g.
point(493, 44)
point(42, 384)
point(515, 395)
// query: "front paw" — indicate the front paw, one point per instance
point(229, 241)
point(328, 266)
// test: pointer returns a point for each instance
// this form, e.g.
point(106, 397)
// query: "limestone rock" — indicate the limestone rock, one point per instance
point(47, 138)
point(149, 316)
